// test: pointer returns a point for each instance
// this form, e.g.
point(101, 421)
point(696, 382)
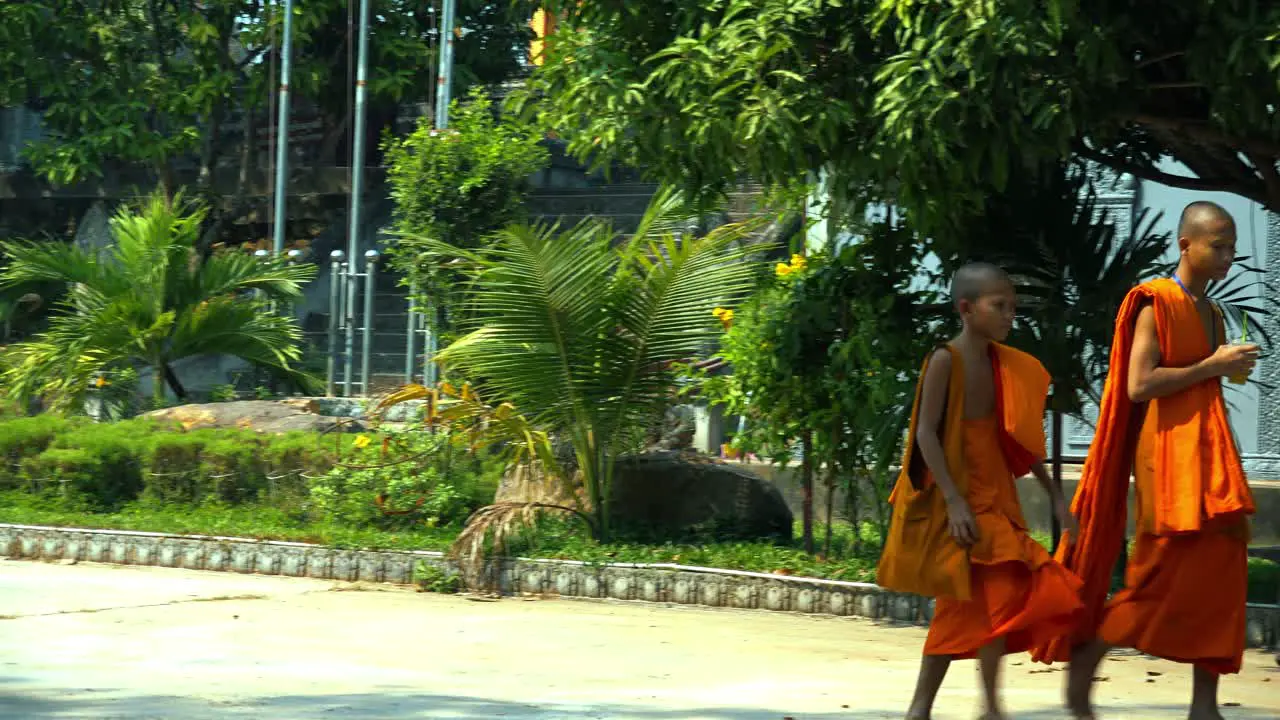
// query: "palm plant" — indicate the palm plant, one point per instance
point(582, 330)
point(148, 300)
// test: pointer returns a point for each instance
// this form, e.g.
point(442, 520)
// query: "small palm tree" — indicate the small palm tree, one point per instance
point(148, 300)
point(583, 330)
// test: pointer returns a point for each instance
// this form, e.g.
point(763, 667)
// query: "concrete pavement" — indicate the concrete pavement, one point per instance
point(92, 641)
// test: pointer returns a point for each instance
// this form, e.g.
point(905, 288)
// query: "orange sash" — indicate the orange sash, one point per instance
point(919, 554)
point(1198, 474)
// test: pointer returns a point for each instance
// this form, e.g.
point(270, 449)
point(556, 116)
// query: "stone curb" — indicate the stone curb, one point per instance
point(659, 583)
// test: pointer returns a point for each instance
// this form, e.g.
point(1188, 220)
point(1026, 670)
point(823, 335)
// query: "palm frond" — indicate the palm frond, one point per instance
point(483, 542)
point(227, 273)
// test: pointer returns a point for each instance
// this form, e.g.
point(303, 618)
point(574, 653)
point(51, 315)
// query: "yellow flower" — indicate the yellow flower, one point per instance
point(725, 315)
point(362, 442)
point(798, 262)
point(783, 269)
point(101, 382)
point(719, 312)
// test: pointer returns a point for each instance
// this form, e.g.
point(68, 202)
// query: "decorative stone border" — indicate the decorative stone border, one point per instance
point(660, 583)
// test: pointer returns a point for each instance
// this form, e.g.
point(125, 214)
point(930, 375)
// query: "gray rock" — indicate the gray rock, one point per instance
point(264, 416)
point(670, 495)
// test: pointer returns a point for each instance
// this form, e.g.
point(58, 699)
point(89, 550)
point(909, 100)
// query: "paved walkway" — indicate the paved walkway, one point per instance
point(92, 641)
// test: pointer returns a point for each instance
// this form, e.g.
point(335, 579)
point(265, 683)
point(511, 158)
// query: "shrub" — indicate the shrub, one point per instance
point(93, 466)
point(416, 479)
point(1264, 581)
point(25, 437)
point(231, 467)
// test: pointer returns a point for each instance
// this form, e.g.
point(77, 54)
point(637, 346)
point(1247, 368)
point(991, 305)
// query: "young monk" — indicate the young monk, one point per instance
point(957, 530)
point(1162, 417)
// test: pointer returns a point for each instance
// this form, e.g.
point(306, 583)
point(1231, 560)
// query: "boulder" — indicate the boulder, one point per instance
point(670, 496)
point(263, 416)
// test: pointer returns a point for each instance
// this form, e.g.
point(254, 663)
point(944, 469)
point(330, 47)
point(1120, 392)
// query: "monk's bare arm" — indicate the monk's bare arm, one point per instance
point(932, 399)
point(960, 521)
point(1148, 379)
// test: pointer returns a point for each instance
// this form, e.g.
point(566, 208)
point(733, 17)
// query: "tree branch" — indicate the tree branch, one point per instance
point(1270, 177)
point(1164, 178)
point(1159, 59)
point(1173, 85)
point(1199, 130)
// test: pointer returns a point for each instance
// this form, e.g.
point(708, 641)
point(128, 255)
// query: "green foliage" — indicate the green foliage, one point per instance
point(1264, 581)
point(93, 466)
point(426, 480)
point(932, 102)
point(460, 184)
point(224, 393)
point(826, 355)
point(580, 329)
point(149, 300)
point(434, 579)
point(138, 84)
point(430, 479)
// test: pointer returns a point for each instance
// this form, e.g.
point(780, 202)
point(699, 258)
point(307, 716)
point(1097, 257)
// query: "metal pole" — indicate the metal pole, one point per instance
point(282, 129)
point(444, 77)
point(335, 311)
point(260, 256)
point(411, 331)
point(357, 185)
point(370, 274)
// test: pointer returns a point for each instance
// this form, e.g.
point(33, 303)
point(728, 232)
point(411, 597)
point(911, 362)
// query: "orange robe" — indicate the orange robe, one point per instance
point(1006, 585)
point(1186, 583)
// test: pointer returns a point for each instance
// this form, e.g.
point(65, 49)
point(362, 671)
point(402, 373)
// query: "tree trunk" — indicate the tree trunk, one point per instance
point(831, 500)
point(172, 379)
point(1057, 477)
point(806, 484)
point(157, 385)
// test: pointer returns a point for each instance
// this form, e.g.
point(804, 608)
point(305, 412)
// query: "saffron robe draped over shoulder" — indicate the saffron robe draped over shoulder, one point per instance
point(919, 555)
point(1193, 501)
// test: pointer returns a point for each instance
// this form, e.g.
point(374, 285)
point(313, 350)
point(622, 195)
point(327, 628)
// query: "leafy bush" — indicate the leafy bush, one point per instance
point(426, 479)
point(24, 437)
point(1264, 581)
point(95, 466)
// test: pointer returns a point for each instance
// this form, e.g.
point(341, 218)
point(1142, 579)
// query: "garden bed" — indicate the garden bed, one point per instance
point(295, 487)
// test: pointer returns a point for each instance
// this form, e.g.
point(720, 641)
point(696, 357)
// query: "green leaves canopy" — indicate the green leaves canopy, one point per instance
point(463, 183)
point(933, 102)
point(149, 300)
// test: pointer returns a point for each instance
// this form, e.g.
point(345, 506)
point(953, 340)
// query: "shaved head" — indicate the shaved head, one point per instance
point(974, 279)
point(1202, 217)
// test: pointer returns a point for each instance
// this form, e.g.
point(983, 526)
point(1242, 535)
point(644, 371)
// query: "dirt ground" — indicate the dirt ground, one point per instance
point(91, 641)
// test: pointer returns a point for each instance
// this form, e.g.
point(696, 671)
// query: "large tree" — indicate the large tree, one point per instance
point(931, 100)
point(155, 84)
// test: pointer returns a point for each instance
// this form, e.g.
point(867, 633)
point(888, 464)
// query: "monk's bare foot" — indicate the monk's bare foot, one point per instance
point(916, 714)
point(1205, 713)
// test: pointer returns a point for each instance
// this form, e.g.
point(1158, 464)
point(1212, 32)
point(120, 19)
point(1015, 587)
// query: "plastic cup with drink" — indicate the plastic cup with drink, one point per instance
point(1241, 378)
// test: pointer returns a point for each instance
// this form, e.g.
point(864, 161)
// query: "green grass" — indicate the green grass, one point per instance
point(248, 521)
point(266, 523)
point(849, 561)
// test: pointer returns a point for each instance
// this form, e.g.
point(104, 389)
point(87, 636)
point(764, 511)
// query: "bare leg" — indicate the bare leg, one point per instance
point(933, 669)
point(1084, 665)
point(990, 657)
point(1204, 696)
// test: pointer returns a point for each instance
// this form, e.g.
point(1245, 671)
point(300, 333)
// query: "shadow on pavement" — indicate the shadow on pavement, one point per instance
point(392, 704)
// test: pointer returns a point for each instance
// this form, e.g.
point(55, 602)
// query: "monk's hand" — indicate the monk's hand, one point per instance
point(961, 522)
point(1234, 359)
